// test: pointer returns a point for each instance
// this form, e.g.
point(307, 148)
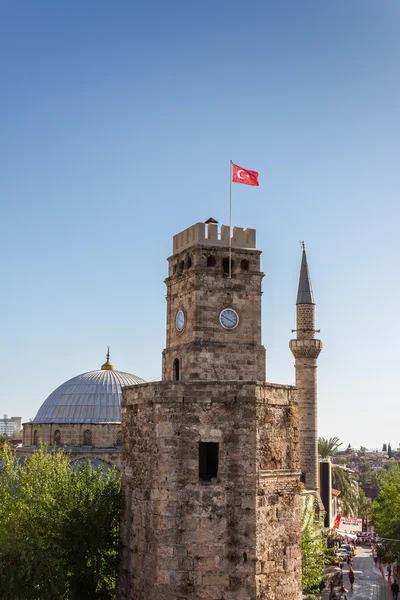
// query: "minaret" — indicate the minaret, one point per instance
point(306, 349)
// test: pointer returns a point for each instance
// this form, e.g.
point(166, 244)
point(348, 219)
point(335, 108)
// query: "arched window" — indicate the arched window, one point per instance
point(120, 439)
point(188, 262)
point(175, 370)
point(87, 438)
point(225, 266)
point(35, 438)
point(57, 437)
point(244, 265)
point(211, 262)
point(181, 266)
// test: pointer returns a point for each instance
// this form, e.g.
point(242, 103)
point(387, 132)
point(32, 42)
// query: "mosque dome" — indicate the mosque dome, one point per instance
point(93, 397)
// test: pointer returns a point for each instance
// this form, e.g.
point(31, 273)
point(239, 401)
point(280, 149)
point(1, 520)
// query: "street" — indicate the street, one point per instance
point(369, 583)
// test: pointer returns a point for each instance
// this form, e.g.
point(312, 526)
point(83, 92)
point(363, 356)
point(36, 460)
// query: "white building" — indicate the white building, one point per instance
point(9, 425)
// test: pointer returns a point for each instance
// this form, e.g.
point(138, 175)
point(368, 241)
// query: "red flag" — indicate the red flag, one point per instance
point(245, 176)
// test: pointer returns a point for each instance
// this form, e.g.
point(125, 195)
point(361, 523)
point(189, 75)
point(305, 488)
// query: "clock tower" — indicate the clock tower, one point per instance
point(209, 313)
point(211, 459)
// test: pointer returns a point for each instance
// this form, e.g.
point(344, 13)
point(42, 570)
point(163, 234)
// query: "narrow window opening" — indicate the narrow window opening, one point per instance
point(87, 438)
point(176, 373)
point(120, 439)
point(181, 266)
point(303, 478)
point(244, 556)
point(225, 266)
point(188, 263)
point(211, 262)
point(208, 460)
point(57, 437)
point(244, 265)
point(35, 438)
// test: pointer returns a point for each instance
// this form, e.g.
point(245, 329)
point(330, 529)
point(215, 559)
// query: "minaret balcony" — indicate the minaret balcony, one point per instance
point(305, 348)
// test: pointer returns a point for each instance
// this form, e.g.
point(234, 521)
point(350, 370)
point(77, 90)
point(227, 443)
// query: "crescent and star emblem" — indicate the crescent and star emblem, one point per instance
point(238, 173)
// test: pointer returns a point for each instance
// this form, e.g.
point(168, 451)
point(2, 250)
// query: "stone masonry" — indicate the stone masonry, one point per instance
point(106, 440)
point(211, 463)
point(306, 350)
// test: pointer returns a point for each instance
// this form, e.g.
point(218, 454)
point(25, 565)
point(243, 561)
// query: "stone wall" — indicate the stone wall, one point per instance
point(235, 537)
point(103, 435)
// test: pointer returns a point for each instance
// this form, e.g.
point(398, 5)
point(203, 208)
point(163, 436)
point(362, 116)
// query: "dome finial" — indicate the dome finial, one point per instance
point(107, 365)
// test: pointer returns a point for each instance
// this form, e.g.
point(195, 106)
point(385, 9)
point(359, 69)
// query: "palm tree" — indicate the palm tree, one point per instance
point(343, 480)
point(329, 447)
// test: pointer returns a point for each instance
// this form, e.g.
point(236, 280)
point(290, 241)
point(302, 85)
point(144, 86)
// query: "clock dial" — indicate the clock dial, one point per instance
point(180, 320)
point(229, 318)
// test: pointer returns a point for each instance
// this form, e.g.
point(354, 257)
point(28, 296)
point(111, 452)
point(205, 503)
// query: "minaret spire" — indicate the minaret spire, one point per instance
point(306, 349)
point(305, 294)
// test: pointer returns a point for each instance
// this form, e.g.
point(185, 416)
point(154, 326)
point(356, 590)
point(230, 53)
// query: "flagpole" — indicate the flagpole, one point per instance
point(230, 219)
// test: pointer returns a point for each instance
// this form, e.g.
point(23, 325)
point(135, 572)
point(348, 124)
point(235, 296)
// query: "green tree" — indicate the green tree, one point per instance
point(4, 439)
point(345, 482)
point(329, 447)
point(363, 449)
point(384, 448)
point(313, 549)
point(389, 451)
point(385, 510)
point(59, 528)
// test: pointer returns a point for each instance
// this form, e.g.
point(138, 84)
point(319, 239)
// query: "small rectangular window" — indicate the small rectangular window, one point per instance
point(208, 460)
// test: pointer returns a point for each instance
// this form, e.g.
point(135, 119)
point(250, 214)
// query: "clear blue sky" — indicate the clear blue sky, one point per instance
point(118, 121)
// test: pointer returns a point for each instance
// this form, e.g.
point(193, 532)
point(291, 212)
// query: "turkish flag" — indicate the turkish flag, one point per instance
point(245, 176)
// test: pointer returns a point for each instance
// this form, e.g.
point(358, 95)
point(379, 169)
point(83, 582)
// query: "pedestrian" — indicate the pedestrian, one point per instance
point(351, 576)
point(395, 590)
point(389, 571)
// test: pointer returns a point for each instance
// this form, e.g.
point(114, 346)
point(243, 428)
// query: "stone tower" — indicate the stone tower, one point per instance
point(211, 465)
point(306, 349)
point(198, 290)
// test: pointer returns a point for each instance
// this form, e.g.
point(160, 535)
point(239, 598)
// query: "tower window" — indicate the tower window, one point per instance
point(225, 265)
point(87, 438)
point(244, 265)
point(35, 438)
point(57, 437)
point(188, 263)
point(176, 370)
point(120, 439)
point(211, 262)
point(208, 460)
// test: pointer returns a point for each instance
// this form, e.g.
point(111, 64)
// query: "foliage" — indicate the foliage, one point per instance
point(369, 476)
point(313, 550)
point(59, 528)
point(345, 482)
point(363, 449)
point(17, 435)
point(362, 504)
point(329, 447)
point(389, 451)
point(385, 510)
point(4, 439)
point(384, 448)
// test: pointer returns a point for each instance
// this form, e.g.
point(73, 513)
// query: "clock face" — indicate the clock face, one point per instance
point(229, 318)
point(180, 320)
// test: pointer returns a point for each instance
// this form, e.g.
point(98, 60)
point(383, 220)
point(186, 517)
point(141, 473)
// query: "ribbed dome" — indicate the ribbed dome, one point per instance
point(93, 397)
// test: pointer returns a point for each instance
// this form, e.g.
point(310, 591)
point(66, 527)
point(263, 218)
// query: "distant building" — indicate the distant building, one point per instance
point(9, 425)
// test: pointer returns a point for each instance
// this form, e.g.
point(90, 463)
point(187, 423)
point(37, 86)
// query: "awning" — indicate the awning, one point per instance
point(343, 533)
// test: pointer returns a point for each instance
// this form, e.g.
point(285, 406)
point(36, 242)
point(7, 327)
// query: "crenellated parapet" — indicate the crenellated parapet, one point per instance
point(210, 235)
